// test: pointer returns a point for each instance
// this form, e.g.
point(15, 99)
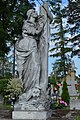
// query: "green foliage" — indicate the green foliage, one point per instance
point(5, 106)
point(53, 80)
point(73, 15)
point(65, 47)
point(65, 94)
point(14, 87)
point(79, 96)
point(3, 86)
point(59, 68)
point(8, 75)
point(8, 107)
point(12, 14)
point(78, 118)
point(5, 67)
point(60, 41)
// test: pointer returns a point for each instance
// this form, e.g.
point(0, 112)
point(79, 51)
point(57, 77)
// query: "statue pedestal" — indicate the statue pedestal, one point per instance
point(31, 115)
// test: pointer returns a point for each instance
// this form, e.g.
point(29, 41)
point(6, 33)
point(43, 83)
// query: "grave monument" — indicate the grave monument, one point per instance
point(71, 82)
point(32, 63)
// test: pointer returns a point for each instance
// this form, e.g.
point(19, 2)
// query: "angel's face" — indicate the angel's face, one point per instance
point(34, 14)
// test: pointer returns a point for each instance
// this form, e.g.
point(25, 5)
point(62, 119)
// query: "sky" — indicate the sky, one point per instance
point(77, 65)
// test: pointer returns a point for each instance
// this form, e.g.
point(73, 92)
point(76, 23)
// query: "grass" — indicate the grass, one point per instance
point(5, 106)
point(78, 118)
point(66, 108)
point(79, 89)
point(8, 107)
point(79, 93)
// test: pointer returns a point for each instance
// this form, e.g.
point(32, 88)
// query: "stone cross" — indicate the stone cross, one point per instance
point(44, 10)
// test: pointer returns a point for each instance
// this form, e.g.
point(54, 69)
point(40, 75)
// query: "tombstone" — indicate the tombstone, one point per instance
point(71, 82)
point(32, 63)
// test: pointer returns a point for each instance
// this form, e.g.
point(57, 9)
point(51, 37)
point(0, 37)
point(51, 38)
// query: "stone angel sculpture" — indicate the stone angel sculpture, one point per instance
point(31, 50)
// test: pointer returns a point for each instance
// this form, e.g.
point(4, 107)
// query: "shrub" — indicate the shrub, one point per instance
point(3, 86)
point(78, 118)
point(65, 94)
point(14, 87)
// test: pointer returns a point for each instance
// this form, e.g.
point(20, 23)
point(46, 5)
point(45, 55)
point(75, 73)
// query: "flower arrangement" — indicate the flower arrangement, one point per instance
point(59, 104)
point(63, 102)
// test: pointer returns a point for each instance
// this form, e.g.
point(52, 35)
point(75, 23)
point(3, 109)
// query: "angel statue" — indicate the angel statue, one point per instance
point(29, 62)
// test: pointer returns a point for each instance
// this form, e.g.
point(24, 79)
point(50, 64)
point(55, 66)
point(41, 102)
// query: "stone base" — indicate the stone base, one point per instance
point(31, 115)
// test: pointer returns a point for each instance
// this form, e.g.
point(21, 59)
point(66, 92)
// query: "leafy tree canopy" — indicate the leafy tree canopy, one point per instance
point(12, 13)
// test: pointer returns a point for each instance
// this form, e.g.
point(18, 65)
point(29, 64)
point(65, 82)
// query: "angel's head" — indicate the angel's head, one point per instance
point(32, 13)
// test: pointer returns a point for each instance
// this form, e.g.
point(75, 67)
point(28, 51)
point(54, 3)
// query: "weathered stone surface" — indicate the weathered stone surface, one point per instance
point(30, 115)
point(32, 57)
point(57, 115)
point(75, 104)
